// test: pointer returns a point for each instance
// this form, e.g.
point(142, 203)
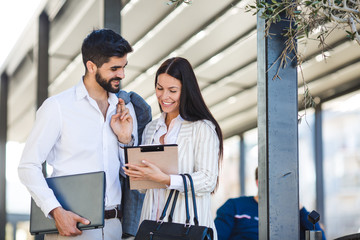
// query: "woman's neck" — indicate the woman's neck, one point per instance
point(169, 118)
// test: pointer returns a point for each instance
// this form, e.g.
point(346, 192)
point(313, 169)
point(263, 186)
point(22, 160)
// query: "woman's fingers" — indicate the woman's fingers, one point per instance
point(132, 170)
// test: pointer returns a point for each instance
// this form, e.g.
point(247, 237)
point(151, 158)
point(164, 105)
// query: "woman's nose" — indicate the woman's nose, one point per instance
point(165, 95)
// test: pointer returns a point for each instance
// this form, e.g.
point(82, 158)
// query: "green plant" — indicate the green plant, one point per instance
point(308, 20)
point(311, 19)
point(178, 2)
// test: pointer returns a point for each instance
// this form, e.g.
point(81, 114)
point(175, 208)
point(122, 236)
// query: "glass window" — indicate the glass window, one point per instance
point(341, 136)
point(17, 197)
point(307, 184)
point(251, 161)
point(306, 160)
point(229, 183)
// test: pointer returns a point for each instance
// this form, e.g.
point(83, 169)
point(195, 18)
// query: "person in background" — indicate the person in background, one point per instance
point(82, 130)
point(186, 121)
point(238, 218)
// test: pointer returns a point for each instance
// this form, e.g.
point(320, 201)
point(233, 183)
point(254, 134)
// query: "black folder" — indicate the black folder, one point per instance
point(82, 194)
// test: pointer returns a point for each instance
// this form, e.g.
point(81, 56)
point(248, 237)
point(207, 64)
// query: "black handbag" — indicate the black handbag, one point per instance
point(160, 230)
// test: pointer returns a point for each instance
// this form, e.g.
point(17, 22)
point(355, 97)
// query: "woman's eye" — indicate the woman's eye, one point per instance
point(173, 91)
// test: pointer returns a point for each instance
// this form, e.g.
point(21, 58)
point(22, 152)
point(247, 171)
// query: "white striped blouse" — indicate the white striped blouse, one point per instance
point(198, 147)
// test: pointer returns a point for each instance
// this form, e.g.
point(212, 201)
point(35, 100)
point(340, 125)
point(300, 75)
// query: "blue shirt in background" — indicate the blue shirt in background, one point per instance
point(238, 219)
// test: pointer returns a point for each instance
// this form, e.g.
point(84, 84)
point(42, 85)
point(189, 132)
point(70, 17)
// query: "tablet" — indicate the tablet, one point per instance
point(163, 156)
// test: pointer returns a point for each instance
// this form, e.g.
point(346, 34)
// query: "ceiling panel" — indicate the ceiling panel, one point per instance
point(339, 57)
point(176, 27)
point(229, 60)
point(216, 36)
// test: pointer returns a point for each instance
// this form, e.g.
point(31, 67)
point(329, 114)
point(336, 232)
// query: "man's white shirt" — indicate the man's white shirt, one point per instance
point(71, 135)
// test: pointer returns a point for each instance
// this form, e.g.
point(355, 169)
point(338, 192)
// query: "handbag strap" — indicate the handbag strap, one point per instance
point(170, 218)
point(196, 219)
point(186, 201)
point(161, 219)
point(173, 206)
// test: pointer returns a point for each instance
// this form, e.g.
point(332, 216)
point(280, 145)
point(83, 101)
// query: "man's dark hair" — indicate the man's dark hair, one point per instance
point(100, 45)
point(256, 174)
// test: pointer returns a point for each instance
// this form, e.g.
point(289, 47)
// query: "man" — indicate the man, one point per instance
point(238, 219)
point(83, 130)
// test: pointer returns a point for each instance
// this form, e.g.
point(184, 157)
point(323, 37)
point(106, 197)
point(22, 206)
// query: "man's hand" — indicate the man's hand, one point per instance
point(122, 123)
point(66, 222)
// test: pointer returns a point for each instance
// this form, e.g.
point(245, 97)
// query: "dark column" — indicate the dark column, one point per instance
point(112, 17)
point(43, 59)
point(43, 70)
point(319, 163)
point(278, 139)
point(242, 165)
point(3, 138)
point(43, 63)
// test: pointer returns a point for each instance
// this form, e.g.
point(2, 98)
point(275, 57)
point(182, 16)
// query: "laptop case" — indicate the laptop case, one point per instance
point(82, 194)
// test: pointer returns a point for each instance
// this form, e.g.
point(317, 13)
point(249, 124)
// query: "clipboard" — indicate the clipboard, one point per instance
point(163, 156)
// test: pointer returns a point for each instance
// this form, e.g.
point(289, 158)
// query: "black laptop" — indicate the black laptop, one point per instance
point(82, 194)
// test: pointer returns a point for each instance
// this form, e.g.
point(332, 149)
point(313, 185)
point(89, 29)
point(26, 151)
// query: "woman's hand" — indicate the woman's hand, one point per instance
point(147, 171)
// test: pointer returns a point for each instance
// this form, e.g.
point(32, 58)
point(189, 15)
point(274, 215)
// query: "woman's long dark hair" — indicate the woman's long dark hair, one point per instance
point(192, 104)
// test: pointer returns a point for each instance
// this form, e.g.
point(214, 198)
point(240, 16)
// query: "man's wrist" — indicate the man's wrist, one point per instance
point(54, 211)
point(130, 143)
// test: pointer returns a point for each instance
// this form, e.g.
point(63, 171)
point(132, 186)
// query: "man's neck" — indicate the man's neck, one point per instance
point(95, 91)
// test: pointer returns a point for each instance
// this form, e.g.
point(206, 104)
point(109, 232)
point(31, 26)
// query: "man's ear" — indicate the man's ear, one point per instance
point(91, 67)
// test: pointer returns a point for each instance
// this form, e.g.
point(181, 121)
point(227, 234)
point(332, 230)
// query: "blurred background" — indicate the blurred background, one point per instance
point(219, 39)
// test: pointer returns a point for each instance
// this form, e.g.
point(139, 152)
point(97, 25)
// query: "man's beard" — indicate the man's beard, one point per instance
point(107, 84)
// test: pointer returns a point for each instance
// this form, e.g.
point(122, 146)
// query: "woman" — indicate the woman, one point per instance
point(186, 121)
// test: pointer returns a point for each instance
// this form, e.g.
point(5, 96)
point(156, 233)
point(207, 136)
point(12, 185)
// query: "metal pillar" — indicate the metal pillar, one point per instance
point(112, 17)
point(242, 165)
point(43, 59)
point(43, 70)
point(3, 138)
point(43, 64)
point(319, 163)
point(277, 138)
